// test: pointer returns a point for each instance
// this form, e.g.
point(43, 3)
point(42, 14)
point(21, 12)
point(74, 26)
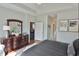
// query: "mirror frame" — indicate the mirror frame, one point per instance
point(14, 20)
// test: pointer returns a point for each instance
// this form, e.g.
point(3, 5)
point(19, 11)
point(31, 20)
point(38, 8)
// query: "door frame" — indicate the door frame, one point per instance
point(42, 29)
point(49, 28)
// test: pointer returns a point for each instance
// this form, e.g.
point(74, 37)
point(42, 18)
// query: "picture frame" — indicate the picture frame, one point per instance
point(63, 25)
point(74, 25)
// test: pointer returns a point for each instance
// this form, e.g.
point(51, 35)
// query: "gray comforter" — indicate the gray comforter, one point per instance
point(47, 48)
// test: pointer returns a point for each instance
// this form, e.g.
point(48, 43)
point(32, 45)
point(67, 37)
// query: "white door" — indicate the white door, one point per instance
point(38, 31)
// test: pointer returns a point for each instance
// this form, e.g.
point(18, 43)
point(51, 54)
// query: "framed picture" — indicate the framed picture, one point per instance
point(63, 25)
point(73, 25)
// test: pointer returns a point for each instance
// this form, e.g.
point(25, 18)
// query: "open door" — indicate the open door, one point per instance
point(52, 28)
point(32, 32)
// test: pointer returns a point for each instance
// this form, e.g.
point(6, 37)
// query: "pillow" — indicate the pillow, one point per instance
point(71, 50)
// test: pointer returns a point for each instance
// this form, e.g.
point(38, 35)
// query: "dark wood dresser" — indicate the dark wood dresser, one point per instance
point(15, 42)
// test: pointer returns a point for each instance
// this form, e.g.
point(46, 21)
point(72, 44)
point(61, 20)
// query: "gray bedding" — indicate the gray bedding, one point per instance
point(47, 48)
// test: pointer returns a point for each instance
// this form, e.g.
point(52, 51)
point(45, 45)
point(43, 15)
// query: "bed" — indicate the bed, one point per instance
point(47, 48)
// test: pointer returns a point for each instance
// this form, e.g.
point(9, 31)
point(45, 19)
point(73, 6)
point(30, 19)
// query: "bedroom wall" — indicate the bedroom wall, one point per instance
point(6, 13)
point(26, 18)
point(29, 18)
point(11, 14)
point(67, 37)
point(38, 18)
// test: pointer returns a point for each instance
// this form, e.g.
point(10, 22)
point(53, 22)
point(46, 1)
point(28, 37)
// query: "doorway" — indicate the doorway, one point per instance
point(52, 28)
point(32, 32)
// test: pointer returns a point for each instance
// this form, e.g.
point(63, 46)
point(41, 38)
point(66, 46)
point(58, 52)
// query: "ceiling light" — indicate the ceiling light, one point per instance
point(39, 3)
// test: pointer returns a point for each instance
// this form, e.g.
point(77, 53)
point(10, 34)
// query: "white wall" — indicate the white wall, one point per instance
point(38, 18)
point(11, 14)
point(61, 36)
point(67, 37)
point(26, 22)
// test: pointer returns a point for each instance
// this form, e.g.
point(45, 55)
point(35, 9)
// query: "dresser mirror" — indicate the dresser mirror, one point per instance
point(15, 27)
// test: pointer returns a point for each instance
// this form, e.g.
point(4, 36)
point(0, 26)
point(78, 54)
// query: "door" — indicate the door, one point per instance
point(38, 31)
point(32, 32)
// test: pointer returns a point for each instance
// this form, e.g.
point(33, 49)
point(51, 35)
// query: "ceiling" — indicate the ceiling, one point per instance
point(35, 8)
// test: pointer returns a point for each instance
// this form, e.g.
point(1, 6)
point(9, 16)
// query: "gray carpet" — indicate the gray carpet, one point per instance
point(47, 48)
